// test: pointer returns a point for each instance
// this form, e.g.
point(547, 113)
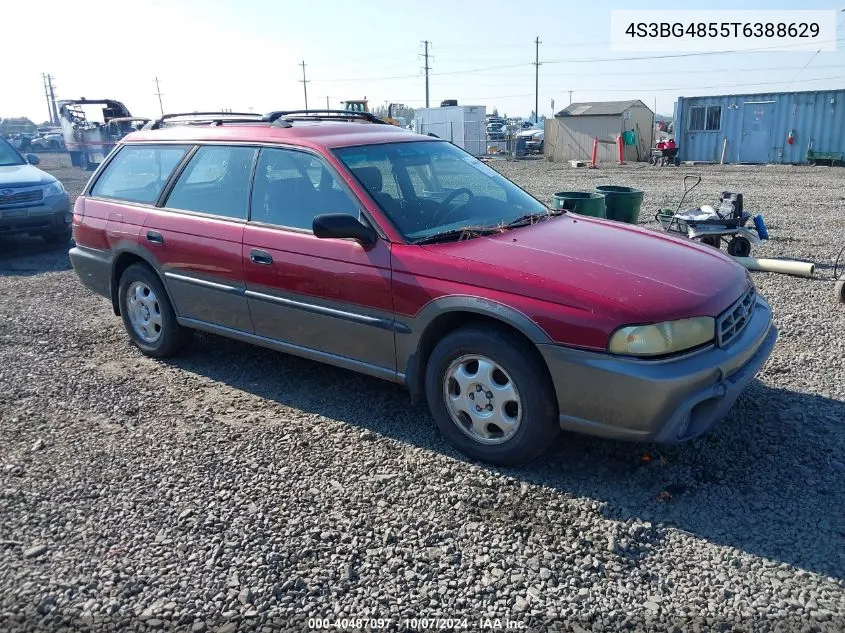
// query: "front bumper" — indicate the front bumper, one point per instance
point(665, 401)
point(51, 215)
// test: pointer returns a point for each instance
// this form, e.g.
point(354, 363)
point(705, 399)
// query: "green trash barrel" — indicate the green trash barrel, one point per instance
point(622, 203)
point(582, 202)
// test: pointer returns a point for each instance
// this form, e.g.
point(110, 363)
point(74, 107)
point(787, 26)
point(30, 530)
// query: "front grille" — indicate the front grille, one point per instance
point(32, 195)
point(733, 320)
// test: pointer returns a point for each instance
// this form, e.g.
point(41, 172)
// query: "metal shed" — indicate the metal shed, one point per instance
point(569, 135)
point(780, 127)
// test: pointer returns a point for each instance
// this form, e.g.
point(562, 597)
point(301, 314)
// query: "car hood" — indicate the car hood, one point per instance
point(604, 265)
point(12, 176)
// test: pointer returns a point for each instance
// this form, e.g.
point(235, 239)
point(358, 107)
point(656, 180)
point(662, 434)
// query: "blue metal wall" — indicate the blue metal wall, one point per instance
point(817, 118)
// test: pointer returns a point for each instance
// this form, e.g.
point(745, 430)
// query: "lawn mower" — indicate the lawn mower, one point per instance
point(712, 226)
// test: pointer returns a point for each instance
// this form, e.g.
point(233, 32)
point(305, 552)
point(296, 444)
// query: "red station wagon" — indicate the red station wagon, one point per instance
point(333, 237)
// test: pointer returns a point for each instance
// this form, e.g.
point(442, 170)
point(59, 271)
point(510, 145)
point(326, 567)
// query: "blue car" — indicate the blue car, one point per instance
point(31, 201)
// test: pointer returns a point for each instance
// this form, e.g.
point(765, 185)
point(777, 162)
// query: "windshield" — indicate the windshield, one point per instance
point(427, 188)
point(9, 155)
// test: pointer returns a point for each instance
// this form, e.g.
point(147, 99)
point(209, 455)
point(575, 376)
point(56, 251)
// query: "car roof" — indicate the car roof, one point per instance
point(314, 134)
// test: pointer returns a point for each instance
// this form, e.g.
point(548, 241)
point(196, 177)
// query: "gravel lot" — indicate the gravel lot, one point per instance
point(238, 489)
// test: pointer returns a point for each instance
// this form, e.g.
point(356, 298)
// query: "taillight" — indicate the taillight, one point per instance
point(78, 210)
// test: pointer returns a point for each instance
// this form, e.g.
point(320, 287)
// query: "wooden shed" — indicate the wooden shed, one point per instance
point(569, 135)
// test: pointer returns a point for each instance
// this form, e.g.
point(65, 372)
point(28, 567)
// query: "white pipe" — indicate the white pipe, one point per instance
point(724, 149)
point(785, 266)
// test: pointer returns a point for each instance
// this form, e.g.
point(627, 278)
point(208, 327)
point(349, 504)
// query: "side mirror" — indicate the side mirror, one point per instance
point(344, 225)
point(32, 159)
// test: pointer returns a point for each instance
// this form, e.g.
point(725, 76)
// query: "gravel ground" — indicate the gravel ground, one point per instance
point(237, 489)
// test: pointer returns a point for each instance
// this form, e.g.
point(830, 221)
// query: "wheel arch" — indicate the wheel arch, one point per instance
point(443, 316)
point(124, 260)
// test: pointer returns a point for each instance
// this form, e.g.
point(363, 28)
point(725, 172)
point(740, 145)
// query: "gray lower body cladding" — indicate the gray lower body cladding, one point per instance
point(93, 268)
point(665, 401)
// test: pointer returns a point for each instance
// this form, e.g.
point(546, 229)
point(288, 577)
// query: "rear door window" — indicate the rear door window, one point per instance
point(216, 181)
point(139, 173)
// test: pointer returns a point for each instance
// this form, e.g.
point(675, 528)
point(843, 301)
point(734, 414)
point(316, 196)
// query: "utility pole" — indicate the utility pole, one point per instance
point(304, 82)
point(158, 94)
point(51, 98)
point(426, 68)
point(570, 97)
point(536, 78)
point(327, 103)
point(47, 96)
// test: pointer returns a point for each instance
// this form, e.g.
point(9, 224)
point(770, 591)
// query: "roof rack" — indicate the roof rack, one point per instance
point(216, 118)
point(277, 118)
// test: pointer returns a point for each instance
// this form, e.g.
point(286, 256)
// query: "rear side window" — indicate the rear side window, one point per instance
point(138, 173)
point(216, 181)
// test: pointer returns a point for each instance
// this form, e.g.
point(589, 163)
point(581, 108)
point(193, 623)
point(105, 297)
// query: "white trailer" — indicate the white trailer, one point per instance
point(465, 126)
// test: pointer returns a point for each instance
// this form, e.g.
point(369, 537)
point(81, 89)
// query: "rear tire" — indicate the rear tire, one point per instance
point(712, 240)
point(491, 397)
point(147, 313)
point(840, 289)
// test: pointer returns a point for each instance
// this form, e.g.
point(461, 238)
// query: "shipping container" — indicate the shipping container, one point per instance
point(782, 127)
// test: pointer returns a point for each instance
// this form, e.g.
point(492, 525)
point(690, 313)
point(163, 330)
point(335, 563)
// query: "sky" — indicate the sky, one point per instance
point(246, 55)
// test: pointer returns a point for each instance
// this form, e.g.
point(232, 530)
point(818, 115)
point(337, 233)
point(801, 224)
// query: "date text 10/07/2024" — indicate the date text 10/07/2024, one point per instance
point(417, 624)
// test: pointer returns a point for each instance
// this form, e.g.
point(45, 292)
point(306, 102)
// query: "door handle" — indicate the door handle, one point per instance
point(260, 257)
point(155, 237)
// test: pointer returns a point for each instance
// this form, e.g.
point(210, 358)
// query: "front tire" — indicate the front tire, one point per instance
point(147, 313)
point(491, 397)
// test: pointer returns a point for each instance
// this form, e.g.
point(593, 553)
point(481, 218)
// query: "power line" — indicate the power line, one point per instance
point(651, 72)
point(451, 72)
point(810, 61)
point(670, 56)
point(304, 86)
point(158, 94)
point(663, 89)
point(557, 61)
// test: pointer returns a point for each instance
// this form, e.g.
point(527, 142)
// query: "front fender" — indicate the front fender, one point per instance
point(411, 346)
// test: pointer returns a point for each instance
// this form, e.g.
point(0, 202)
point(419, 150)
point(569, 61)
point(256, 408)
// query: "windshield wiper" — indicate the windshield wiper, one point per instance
point(463, 233)
point(531, 218)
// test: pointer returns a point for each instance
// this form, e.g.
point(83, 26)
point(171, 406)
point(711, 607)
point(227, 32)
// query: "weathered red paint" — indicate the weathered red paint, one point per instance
point(578, 278)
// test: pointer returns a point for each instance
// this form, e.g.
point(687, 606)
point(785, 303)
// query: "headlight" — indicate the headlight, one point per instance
point(662, 338)
point(55, 188)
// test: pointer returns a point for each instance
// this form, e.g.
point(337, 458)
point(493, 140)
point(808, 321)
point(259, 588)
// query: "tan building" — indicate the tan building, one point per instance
point(569, 135)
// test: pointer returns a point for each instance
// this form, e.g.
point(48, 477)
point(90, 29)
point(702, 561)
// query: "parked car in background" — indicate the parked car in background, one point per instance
point(31, 201)
point(533, 139)
point(497, 131)
point(403, 257)
point(534, 143)
point(48, 141)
